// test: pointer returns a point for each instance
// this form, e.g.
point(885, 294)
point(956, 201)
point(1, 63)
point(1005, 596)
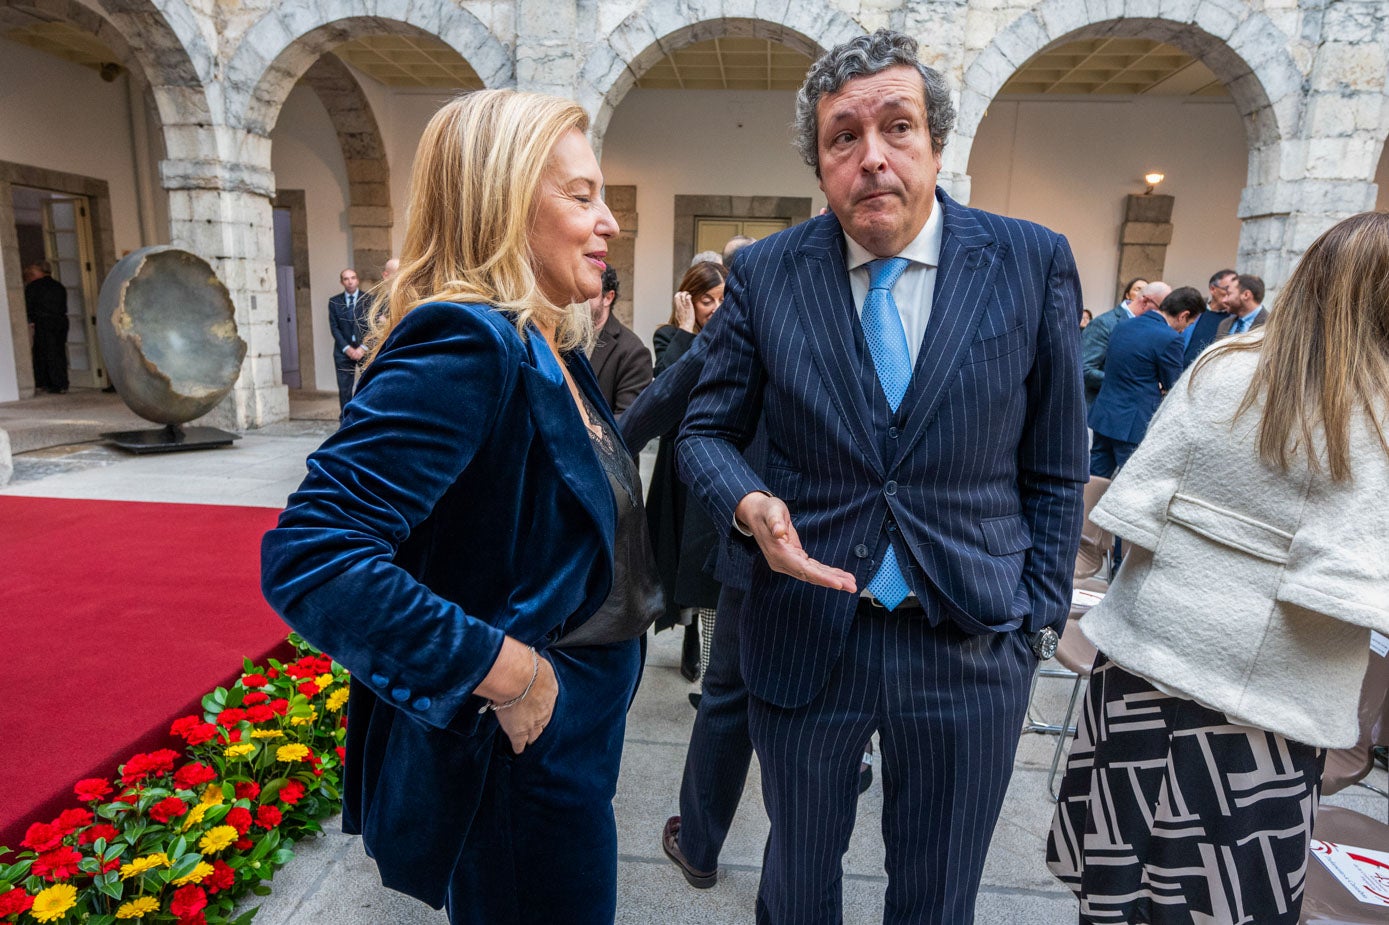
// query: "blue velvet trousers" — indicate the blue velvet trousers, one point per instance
point(716, 764)
point(947, 707)
point(543, 846)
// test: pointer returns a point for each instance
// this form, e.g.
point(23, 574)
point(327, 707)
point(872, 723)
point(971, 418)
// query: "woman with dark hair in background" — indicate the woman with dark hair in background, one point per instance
point(1235, 637)
point(684, 539)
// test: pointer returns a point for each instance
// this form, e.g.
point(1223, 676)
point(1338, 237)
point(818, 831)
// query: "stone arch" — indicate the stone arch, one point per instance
point(1240, 45)
point(663, 26)
point(364, 152)
point(284, 43)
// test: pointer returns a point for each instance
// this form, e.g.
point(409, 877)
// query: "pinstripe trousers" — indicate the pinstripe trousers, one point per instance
point(948, 707)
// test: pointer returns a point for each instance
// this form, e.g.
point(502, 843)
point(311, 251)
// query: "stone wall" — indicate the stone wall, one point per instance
point(1308, 78)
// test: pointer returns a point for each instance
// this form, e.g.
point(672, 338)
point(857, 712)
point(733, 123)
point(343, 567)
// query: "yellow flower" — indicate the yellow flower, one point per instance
point(267, 734)
point(238, 750)
point(303, 720)
point(138, 866)
point(212, 795)
point(195, 875)
point(54, 902)
point(323, 681)
point(292, 752)
point(196, 814)
point(338, 698)
point(217, 838)
point(138, 908)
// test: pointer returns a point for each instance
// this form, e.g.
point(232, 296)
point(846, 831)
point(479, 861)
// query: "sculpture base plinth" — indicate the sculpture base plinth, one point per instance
point(171, 439)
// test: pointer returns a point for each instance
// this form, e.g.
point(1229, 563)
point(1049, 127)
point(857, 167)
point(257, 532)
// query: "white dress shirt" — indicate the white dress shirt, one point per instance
point(915, 289)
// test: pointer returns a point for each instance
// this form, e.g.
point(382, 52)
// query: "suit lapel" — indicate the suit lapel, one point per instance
point(558, 421)
point(826, 304)
point(964, 286)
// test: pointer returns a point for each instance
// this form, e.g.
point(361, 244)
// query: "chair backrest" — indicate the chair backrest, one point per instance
point(1347, 766)
point(1095, 544)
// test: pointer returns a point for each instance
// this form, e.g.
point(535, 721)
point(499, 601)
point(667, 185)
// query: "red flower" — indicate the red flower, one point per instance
point(70, 820)
point(260, 713)
point(43, 836)
point(153, 764)
point(193, 774)
point(15, 901)
point(108, 866)
point(58, 864)
point(267, 817)
point(280, 706)
point(247, 790)
point(309, 689)
point(92, 789)
point(168, 808)
point(183, 724)
point(254, 680)
point(243, 843)
point(200, 734)
point(299, 672)
point(272, 673)
point(239, 819)
point(221, 878)
point(255, 697)
point(342, 754)
point(230, 717)
point(188, 901)
point(291, 793)
point(101, 830)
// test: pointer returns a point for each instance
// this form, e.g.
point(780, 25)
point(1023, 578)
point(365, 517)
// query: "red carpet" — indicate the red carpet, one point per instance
point(117, 618)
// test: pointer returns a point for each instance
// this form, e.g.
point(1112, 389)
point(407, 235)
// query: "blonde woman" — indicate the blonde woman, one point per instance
point(471, 543)
point(1234, 640)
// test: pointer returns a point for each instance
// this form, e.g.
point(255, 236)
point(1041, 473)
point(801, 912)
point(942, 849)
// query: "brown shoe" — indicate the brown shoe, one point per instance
point(670, 841)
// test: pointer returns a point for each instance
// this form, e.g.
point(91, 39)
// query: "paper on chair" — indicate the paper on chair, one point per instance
point(1365, 873)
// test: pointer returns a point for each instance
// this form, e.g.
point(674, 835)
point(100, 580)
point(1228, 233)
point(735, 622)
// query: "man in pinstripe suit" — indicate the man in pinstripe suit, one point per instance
point(916, 365)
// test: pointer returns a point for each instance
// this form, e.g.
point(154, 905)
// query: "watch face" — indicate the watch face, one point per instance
point(1044, 643)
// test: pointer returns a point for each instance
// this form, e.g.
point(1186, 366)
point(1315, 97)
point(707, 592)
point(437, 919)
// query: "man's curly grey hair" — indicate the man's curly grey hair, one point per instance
point(859, 57)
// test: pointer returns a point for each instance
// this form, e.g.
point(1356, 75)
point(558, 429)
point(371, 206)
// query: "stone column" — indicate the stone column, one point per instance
point(220, 210)
point(547, 56)
point(1143, 238)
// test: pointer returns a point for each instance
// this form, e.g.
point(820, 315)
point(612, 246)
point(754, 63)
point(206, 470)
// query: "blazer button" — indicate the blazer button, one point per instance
point(861, 551)
point(423, 703)
point(380, 680)
point(893, 432)
point(890, 488)
point(400, 694)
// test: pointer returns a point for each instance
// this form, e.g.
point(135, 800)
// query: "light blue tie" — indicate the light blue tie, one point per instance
point(887, 343)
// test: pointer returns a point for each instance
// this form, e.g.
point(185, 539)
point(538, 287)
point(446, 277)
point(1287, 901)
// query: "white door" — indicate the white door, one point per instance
point(67, 234)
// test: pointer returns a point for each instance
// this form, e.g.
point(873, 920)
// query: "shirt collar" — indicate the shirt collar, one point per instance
point(923, 249)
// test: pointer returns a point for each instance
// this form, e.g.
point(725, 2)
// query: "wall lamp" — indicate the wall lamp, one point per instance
point(1152, 179)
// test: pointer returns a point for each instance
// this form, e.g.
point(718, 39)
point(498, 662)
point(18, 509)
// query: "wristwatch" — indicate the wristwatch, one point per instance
point(1044, 643)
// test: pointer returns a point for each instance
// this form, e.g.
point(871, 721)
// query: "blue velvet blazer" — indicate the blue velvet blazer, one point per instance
point(460, 501)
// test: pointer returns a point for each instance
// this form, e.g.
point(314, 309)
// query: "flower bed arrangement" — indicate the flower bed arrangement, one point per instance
point(180, 836)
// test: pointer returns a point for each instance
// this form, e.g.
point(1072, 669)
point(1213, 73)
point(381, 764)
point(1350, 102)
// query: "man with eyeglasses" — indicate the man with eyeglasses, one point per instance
point(1203, 332)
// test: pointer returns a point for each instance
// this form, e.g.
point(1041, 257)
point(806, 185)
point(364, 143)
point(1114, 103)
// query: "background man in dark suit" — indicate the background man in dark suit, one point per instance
point(1094, 340)
point(46, 305)
point(1145, 361)
point(349, 315)
point(1202, 331)
point(917, 369)
point(619, 358)
point(1245, 304)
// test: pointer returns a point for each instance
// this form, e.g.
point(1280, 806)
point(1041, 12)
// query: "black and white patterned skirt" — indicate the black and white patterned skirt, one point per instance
point(1169, 813)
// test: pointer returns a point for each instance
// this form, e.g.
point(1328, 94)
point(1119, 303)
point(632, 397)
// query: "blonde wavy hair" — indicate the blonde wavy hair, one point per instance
point(1324, 355)
point(472, 197)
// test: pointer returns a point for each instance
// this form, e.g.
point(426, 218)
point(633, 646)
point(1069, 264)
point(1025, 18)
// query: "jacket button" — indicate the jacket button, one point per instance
point(890, 488)
point(423, 703)
point(861, 551)
point(380, 680)
point(893, 432)
point(400, 694)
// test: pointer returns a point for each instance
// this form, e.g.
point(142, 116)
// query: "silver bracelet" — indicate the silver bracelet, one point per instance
point(535, 673)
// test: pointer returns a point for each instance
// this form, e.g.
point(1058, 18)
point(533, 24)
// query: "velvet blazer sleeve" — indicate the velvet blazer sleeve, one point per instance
point(431, 398)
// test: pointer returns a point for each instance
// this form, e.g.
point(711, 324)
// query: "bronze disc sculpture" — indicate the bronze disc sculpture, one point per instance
point(167, 329)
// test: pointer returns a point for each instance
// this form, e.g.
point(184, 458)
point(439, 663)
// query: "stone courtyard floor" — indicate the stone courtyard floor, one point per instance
point(331, 880)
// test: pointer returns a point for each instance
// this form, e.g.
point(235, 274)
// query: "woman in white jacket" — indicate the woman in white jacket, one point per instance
point(1234, 639)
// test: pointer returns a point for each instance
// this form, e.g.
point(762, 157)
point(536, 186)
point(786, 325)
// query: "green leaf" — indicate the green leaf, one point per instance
point(101, 920)
point(178, 849)
point(270, 791)
point(265, 846)
point(184, 865)
point(109, 884)
point(245, 917)
point(260, 889)
point(247, 666)
point(282, 857)
point(16, 871)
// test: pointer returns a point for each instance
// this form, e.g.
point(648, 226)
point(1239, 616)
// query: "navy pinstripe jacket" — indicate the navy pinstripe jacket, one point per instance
point(976, 479)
